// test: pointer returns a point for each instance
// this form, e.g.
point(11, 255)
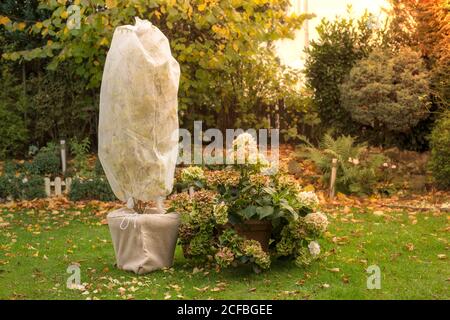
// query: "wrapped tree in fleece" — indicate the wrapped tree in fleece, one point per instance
point(138, 144)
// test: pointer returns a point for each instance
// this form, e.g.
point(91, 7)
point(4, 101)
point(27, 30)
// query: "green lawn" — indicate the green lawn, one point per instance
point(411, 250)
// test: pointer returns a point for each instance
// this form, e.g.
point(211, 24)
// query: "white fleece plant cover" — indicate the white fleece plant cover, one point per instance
point(138, 127)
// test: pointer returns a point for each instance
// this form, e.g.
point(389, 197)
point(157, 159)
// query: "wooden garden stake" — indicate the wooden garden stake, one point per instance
point(333, 177)
point(63, 156)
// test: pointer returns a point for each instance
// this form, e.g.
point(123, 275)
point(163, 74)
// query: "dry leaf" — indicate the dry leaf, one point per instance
point(202, 289)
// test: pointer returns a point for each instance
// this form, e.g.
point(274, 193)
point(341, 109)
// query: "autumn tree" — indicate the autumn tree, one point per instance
point(425, 25)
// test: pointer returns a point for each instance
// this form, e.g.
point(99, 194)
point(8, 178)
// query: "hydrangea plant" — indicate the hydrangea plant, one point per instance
point(236, 194)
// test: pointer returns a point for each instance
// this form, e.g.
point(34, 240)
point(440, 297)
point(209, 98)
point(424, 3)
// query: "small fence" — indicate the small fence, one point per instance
point(57, 187)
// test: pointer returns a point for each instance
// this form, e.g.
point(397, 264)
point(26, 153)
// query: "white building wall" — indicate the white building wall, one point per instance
point(291, 51)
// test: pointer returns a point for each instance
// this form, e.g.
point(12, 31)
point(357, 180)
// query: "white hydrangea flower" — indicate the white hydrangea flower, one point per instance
point(314, 248)
point(258, 158)
point(308, 198)
point(270, 169)
point(317, 221)
point(245, 148)
point(245, 140)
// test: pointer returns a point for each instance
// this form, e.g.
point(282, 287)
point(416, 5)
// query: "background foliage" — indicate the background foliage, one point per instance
point(440, 152)
point(341, 44)
point(230, 75)
point(387, 91)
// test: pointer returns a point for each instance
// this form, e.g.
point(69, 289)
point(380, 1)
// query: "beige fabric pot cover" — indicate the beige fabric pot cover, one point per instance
point(143, 242)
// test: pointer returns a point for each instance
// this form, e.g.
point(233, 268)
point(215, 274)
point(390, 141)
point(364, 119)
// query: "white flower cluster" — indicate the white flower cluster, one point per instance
point(317, 222)
point(269, 168)
point(192, 174)
point(308, 198)
point(245, 142)
point(314, 248)
point(245, 151)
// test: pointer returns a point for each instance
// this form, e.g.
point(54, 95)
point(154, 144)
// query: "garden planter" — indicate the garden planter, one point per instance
point(255, 230)
point(143, 242)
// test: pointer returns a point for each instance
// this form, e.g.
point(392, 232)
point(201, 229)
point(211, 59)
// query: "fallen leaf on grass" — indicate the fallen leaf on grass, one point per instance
point(334, 269)
point(196, 270)
point(300, 282)
point(176, 287)
point(74, 286)
point(202, 289)
point(290, 293)
point(395, 255)
point(442, 256)
point(340, 240)
point(378, 213)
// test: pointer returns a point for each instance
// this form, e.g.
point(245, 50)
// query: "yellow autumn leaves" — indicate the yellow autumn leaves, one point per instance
point(13, 25)
point(4, 20)
point(202, 7)
point(111, 3)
